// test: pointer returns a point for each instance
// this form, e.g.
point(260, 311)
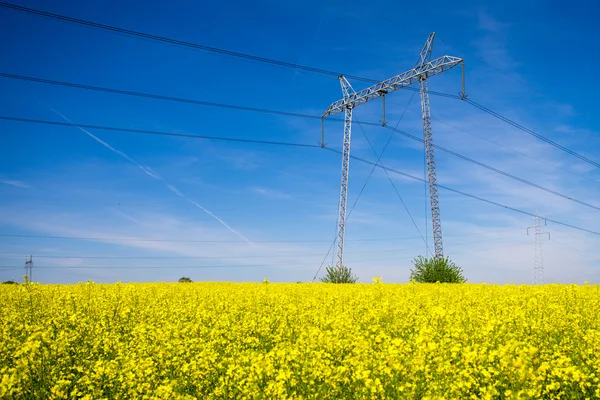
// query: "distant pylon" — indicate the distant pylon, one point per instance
point(538, 251)
point(29, 269)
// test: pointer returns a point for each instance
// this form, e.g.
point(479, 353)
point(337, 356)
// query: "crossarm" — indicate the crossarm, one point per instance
point(390, 85)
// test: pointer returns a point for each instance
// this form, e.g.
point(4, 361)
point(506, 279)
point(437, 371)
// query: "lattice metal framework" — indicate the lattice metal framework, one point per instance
point(348, 91)
point(29, 269)
point(434, 201)
point(538, 251)
point(351, 99)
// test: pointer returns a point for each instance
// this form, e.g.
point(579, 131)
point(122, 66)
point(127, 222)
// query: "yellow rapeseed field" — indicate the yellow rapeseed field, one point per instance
point(311, 341)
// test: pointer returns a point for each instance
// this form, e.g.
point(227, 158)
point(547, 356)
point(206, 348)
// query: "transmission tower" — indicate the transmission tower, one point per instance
point(29, 269)
point(538, 253)
point(423, 70)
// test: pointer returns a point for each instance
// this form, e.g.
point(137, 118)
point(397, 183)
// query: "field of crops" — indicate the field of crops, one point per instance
point(266, 340)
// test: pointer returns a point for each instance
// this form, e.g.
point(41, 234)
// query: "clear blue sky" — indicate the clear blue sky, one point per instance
point(534, 62)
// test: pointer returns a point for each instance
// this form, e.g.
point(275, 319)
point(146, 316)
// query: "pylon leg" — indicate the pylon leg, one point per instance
point(431, 170)
point(344, 187)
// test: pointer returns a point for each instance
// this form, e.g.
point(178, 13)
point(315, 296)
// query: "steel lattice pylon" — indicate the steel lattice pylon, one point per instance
point(423, 70)
point(538, 251)
point(434, 201)
point(348, 91)
point(29, 269)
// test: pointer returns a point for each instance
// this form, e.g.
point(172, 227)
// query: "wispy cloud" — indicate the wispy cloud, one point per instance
point(18, 184)
point(243, 160)
point(148, 171)
point(492, 45)
point(154, 227)
point(272, 193)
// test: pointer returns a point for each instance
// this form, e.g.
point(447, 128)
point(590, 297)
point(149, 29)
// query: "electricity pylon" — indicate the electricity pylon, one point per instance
point(29, 269)
point(423, 70)
point(538, 252)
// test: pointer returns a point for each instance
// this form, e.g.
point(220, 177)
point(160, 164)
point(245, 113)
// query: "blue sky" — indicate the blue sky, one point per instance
point(273, 209)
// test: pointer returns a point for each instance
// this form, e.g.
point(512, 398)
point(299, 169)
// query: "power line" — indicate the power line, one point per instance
point(10, 267)
point(149, 132)
point(199, 46)
point(250, 57)
point(115, 239)
point(532, 133)
point(176, 99)
point(467, 194)
point(290, 144)
point(175, 41)
point(14, 267)
point(498, 70)
point(496, 170)
point(489, 248)
point(392, 183)
point(138, 205)
point(593, 256)
point(267, 111)
point(481, 137)
point(120, 239)
point(270, 143)
point(156, 96)
point(197, 266)
point(302, 255)
point(299, 255)
point(299, 115)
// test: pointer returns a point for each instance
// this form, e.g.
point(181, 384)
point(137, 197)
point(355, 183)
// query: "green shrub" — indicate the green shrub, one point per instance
point(431, 270)
point(339, 275)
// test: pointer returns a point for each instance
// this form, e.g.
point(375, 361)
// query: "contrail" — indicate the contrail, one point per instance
point(151, 174)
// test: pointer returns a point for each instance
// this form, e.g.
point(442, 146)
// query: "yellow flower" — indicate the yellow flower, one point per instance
point(224, 340)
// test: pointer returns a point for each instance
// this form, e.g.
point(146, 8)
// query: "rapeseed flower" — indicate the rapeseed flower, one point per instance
point(310, 341)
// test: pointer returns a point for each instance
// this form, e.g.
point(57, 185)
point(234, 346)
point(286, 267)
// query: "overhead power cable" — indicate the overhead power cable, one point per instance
point(593, 256)
point(496, 170)
point(289, 113)
point(261, 110)
point(175, 41)
point(290, 144)
point(521, 153)
point(532, 133)
point(275, 62)
point(175, 99)
point(200, 46)
point(297, 255)
point(378, 162)
point(156, 96)
point(125, 239)
point(148, 132)
point(466, 194)
point(42, 267)
point(122, 239)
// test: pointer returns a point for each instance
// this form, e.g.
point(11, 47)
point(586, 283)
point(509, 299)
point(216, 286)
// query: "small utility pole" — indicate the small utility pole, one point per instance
point(29, 269)
point(538, 253)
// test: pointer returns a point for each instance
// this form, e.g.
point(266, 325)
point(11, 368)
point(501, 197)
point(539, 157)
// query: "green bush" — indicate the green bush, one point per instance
point(184, 280)
point(431, 270)
point(339, 275)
